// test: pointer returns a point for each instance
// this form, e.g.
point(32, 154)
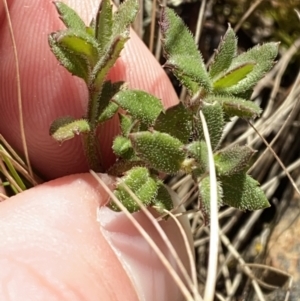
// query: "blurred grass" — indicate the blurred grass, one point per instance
point(14, 174)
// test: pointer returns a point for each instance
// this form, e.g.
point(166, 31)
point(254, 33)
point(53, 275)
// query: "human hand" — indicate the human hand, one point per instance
point(52, 247)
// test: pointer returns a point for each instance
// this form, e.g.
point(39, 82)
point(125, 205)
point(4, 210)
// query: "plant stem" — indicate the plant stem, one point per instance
point(91, 150)
point(89, 140)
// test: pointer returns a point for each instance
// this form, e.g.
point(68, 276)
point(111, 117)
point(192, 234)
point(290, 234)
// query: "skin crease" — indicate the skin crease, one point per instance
point(51, 245)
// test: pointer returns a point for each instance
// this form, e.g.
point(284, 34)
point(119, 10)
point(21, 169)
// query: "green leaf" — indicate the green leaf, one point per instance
point(70, 18)
point(213, 114)
point(124, 16)
point(75, 64)
point(234, 106)
point(186, 81)
point(242, 192)
point(125, 124)
point(79, 43)
point(181, 52)
point(233, 76)
point(163, 200)
point(106, 61)
point(224, 54)
point(65, 128)
point(175, 121)
point(90, 31)
point(159, 150)
point(198, 151)
point(263, 56)
point(142, 184)
point(104, 24)
point(107, 109)
point(110, 110)
point(122, 166)
point(204, 197)
point(122, 147)
point(233, 160)
point(140, 105)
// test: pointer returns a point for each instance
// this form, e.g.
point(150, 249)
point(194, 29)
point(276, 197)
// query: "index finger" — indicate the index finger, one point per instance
point(49, 91)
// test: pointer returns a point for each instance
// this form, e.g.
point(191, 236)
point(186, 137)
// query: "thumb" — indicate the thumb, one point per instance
point(53, 248)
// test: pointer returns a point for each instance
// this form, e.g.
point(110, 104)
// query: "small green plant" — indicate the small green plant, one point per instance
point(153, 140)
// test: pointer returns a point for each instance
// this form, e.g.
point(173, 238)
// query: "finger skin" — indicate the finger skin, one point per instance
point(51, 245)
point(49, 91)
point(53, 248)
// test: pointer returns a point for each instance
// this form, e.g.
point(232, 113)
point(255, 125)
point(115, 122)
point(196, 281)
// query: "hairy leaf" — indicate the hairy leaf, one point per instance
point(242, 192)
point(263, 56)
point(234, 106)
point(110, 110)
point(74, 63)
point(124, 16)
point(122, 166)
point(79, 43)
point(140, 105)
point(192, 86)
point(106, 61)
point(224, 54)
point(159, 150)
point(106, 108)
point(198, 151)
point(176, 121)
point(104, 23)
point(90, 30)
point(122, 147)
point(65, 128)
point(204, 197)
point(233, 160)
point(142, 184)
point(163, 200)
point(181, 52)
point(233, 76)
point(125, 124)
point(69, 16)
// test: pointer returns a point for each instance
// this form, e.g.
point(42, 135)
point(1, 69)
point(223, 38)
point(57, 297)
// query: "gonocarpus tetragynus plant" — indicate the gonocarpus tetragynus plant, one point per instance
point(154, 140)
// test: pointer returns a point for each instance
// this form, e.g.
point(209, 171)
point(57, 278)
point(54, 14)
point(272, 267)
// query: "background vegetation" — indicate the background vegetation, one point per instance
point(250, 234)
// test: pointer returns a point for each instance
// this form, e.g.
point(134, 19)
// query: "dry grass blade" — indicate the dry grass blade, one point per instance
point(214, 222)
point(191, 258)
point(278, 160)
point(150, 241)
point(271, 184)
point(244, 267)
point(152, 28)
point(20, 107)
point(269, 268)
point(138, 23)
point(13, 169)
point(249, 11)
point(243, 232)
point(158, 45)
point(276, 137)
point(164, 236)
point(180, 204)
point(13, 183)
point(20, 169)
